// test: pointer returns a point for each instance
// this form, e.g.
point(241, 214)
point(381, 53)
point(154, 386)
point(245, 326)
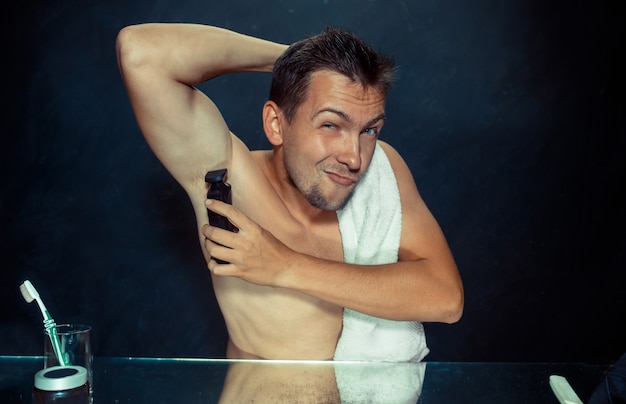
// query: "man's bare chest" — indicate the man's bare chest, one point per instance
point(323, 243)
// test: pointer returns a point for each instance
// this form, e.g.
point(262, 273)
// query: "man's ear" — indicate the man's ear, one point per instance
point(272, 123)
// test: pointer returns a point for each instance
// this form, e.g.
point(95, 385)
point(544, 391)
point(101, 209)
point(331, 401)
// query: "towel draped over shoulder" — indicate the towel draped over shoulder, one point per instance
point(370, 225)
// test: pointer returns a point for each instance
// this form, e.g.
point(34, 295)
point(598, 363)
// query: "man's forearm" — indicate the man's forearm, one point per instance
point(412, 290)
point(193, 53)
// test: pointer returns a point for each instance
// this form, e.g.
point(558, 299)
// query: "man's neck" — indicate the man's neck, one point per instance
point(271, 163)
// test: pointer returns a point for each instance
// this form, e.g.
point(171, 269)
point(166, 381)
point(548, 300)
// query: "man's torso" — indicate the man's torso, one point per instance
point(270, 322)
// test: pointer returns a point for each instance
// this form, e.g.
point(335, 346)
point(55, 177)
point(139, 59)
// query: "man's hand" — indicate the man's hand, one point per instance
point(252, 254)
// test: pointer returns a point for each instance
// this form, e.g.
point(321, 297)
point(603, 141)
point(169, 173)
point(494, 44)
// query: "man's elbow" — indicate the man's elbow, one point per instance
point(130, 47)
point(454, 307)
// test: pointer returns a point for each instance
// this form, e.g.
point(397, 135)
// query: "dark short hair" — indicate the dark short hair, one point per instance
point(335, 50)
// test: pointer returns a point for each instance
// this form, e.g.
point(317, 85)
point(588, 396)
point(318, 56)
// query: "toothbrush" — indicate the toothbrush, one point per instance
point(30, 293)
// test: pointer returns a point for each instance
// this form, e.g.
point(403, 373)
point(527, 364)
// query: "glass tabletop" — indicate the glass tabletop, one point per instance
point(187, 380)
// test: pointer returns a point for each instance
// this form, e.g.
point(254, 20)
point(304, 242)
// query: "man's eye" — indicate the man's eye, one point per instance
point(371, 131)
point(328, 126)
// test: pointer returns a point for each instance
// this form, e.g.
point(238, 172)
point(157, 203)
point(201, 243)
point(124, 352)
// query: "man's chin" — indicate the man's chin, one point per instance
point(329, 204)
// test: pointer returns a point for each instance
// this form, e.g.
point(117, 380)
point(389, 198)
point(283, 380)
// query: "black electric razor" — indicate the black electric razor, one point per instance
point(219, 189)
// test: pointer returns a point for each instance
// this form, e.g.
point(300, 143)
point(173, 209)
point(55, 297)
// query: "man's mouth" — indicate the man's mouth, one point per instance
point(342, 179)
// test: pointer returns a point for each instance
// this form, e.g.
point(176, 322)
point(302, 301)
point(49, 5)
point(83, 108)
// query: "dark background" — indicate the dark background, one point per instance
point(510, 114)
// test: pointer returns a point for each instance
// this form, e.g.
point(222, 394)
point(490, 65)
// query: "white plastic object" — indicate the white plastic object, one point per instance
point(563, 391)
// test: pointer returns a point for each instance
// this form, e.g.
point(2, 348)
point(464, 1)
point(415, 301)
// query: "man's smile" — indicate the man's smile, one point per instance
point(342, 179)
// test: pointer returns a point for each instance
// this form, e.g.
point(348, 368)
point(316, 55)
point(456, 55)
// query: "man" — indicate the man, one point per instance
point(286, 282)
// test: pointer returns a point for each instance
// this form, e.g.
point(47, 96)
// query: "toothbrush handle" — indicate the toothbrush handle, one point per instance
point(50, 326)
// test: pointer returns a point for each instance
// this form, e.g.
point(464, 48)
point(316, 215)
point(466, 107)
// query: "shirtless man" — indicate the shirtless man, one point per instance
point(284, 288)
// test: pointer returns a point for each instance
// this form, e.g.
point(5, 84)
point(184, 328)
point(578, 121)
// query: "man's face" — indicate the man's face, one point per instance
point(331, 139)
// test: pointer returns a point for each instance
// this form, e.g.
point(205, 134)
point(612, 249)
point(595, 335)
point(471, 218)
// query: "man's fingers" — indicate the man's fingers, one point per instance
point(217, 235)
point(217, 251)
point(228, 211)
point(220, 269)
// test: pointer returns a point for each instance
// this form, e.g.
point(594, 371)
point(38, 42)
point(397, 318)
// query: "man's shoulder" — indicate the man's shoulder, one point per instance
point(261, 156)
point(400, 168)
point(391, 153)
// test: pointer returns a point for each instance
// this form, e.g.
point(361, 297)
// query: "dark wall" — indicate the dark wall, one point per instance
point(510, 115)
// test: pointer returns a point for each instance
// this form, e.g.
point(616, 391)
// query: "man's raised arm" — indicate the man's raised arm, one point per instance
point(160, 65)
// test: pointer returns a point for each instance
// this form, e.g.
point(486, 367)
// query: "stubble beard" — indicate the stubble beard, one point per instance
point(312, 191)
point(317, 198)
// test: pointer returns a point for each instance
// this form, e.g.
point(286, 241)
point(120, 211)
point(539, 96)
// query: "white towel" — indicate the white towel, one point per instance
point(370, 225)
point(380, 382)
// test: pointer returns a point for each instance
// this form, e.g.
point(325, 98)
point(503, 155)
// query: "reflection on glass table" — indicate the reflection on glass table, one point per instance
point(161, 380)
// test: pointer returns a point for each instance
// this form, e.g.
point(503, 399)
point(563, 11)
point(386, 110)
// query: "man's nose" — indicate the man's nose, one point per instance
point(349, 152)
